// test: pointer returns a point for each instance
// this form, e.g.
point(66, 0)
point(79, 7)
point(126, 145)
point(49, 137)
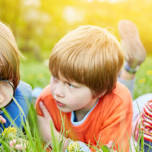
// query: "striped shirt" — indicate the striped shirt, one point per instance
point(144, 122)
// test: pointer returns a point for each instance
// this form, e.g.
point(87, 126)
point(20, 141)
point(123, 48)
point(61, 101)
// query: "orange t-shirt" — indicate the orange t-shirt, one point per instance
point(110, 120)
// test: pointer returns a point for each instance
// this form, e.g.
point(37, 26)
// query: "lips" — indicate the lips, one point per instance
point(59, 104)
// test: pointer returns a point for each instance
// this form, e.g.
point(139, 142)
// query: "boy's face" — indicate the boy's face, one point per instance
point(6, 93)
point(71, 96)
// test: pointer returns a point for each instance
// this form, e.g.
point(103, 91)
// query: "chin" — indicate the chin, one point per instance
point(65, 110)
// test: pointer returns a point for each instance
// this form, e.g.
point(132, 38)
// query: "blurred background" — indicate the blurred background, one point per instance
point(39, 24)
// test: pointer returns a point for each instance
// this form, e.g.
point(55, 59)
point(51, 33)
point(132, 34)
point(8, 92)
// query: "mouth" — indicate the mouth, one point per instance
point(59, 103)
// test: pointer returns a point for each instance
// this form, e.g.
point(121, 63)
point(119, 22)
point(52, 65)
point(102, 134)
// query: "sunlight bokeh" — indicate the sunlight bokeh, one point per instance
point(38, 24)
point(111, 1)
point(72, 15)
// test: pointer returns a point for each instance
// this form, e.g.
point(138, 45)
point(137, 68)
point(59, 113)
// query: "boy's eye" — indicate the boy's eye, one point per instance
point(71, 85)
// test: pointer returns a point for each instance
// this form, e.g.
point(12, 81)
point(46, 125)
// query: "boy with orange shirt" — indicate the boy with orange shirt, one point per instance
point(84, 91)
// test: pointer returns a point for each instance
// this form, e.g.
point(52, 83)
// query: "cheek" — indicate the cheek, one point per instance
point(80, 98)
point(51, 88)
point(85, 94)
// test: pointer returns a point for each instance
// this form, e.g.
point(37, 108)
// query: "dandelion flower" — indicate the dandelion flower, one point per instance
point(73, 147)
point(149, 72)
point(142, 80)
point(9, 132)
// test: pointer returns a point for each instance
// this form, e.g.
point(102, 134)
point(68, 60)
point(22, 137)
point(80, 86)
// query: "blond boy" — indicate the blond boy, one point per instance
point(84, 91)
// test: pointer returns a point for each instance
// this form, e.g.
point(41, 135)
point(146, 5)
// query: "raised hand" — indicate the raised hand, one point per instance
point(44, 124)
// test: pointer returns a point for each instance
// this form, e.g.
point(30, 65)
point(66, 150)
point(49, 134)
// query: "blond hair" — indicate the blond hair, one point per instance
point(88, 55)
point(9, 56)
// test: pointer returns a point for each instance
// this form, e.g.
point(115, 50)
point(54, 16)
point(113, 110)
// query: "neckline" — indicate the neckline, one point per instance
point(78, 123)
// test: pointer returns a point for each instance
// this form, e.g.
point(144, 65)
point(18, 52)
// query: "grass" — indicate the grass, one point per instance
point(35, 73)
point(143, 82)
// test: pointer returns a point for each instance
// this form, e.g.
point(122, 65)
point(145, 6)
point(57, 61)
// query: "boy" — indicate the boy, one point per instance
point(10, 85)
point(84, 91)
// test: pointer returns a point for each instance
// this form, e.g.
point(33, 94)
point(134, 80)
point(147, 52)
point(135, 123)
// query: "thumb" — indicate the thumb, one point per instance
point(44, 110)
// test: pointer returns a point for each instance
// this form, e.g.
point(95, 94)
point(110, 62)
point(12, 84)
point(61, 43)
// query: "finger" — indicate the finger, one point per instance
point(2, 120)
point(12, 143)
point(44, 110)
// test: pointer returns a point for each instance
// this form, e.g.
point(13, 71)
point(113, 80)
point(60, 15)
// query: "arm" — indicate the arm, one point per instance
point(44, 122)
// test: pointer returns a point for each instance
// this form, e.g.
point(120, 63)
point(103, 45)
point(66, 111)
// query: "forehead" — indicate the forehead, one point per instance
point(64, 79)
point(80, 86)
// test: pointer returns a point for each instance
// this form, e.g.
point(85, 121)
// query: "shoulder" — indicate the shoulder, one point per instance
point(148, 108)
point(118, 100)
point(25, 89)
point(23, 95)
point(122, 92)
point(124, 98)
point(116, 107)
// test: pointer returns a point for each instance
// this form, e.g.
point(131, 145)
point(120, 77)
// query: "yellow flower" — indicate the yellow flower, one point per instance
point(142, 80)
point(73, 147)
point(9, 132)
point(149, 72)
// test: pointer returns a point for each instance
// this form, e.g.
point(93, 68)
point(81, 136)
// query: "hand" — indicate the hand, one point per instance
point(2, 120)
point(45, 128)
point(44, 124)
